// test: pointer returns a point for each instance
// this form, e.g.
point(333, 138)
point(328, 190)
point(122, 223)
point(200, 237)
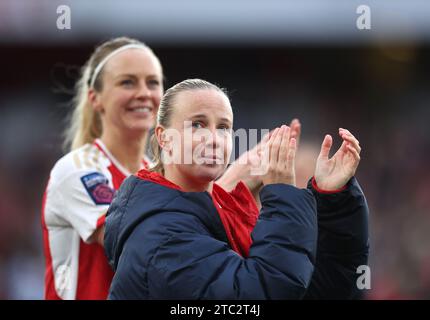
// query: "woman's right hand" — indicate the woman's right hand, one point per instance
point(280, 154)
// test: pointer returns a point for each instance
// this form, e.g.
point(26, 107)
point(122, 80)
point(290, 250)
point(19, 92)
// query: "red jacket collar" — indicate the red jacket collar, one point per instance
point(237, 210)
point(156, 178)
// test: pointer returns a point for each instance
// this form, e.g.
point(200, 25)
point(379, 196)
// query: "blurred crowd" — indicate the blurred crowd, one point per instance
point(379, 94)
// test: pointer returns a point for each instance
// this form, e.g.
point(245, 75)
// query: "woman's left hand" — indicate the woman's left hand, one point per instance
point(332, 174)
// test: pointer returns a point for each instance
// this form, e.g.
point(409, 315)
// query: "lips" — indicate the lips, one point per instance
point(141, 109)
point(212, 159)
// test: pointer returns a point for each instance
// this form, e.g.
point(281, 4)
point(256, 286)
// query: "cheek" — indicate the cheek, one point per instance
point(227, 148)
point(124, 98)
point(117, 101)
point(193, 150)
point(228, 144)
point(156, 98)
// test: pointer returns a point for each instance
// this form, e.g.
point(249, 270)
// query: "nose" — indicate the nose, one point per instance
point(143, 92)
point(214, 140)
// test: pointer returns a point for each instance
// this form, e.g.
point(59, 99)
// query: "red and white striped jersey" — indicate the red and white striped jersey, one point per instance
point(80, 188)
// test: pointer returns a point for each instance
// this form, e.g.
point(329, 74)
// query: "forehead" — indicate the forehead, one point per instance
point(133, 61)
point(207, 101)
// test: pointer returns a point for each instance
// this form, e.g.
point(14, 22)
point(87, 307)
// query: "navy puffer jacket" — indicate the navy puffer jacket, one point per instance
point(167, 244)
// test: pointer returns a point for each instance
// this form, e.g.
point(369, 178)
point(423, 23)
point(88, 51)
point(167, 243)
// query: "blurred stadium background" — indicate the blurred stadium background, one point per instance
point(280, 59)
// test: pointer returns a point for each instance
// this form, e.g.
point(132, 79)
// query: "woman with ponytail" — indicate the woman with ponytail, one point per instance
point(114, 109)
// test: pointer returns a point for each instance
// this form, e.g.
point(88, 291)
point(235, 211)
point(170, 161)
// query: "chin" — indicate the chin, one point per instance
point(208, 173)
point(140, 127)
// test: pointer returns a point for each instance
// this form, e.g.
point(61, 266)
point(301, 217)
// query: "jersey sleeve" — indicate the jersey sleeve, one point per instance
point(84, 197)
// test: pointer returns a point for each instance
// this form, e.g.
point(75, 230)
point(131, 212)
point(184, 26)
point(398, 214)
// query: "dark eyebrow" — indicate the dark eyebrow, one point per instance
point(126, 75)
point(226, 120)
point(198, 116)
point(131, 75)
point(202, 116)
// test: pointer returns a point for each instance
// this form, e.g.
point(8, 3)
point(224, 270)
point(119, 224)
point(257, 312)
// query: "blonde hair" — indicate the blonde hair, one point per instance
point(84, 122)
point(165, 111)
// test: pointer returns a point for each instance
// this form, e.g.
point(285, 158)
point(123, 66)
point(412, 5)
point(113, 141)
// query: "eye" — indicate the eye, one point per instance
point(127, 82)
point(224, 127)
point(197, 125)
point(153, 83)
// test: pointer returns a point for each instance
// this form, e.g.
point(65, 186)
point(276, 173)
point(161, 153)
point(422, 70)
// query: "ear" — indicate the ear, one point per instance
point(161, 138)
point(95, 100)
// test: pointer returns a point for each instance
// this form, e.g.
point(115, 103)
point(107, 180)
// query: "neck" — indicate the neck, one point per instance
point(127, 150)
point(186, 184)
